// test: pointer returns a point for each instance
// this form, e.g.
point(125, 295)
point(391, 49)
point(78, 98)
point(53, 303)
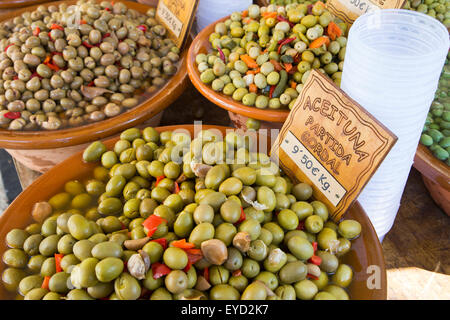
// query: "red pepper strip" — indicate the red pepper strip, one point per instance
point(158, 180)
point(125, 266)
point(276, 65)
point(310, 8)
point(159, 270)
point(106, 35)
point(241, 218)
point(52, 66)
point(177, 187)
point(47, 59)
point(90, 84)
point(57, 53)
point(206, 274)
point(45, 282)
point(87, 45)
point(142, 27)
point(15, 77)
point(36, 31)
point(58, 258)
point(152, 223)
point(272, 88)
point(312, 277)
point(182, 244)
point(281, 18)
point(107, 9)
point(314, 244)
point(51, 39)
point(161, 241)
point(12, 115)
point(122, 226)
point(222, 55)
point(315, 260)
point(56, 26)
point(194, 255)
point(82, 21)
point(297, 58)
point(35, 74)
point(9, 45)
point(285, 41)
point(301, 225)
point(237, 273)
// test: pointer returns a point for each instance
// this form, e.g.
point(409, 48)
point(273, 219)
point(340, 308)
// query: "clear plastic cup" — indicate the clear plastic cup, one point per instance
point(392, 66)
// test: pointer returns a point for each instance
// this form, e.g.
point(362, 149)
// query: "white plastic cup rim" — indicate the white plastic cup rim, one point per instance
point(398, 14)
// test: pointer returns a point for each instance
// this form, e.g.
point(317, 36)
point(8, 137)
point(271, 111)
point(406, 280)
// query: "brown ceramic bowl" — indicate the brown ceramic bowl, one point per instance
point(366, 250)
point(202, 45)
point(40, 150)
point(10, 4)
point(435, 175)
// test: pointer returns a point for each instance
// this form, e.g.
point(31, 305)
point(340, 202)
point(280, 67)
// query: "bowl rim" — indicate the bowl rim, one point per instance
point(11, 4)
point(147, 109)
point(220, 99)
point(369, 233)
point(431, 167)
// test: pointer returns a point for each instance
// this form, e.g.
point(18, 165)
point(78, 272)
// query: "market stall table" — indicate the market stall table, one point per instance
point(416, 248)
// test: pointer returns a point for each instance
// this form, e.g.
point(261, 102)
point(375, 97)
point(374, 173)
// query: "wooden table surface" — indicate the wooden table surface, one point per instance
point(416, 250)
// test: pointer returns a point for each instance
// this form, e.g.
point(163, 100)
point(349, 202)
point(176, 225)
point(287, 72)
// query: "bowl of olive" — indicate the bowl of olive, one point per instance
point(432, 156)
point(154, 214)
point(76, 71)
point(254, 63)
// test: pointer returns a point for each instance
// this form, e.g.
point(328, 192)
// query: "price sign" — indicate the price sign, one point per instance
point(350, 10)
point(332, 143)
point(177, 16)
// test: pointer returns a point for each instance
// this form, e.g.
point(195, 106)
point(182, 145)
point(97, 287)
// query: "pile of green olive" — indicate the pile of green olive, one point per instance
point(436, 132)
point(65, 66)
point(439, 9)
point(263, 56)
point(256, 234)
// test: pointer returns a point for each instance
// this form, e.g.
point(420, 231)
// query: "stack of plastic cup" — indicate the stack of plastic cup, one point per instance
point(212, 10)
point(392, 66)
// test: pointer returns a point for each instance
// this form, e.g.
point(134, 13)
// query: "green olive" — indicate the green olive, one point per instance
point(175, 258)
point(300, 247)
point(224, 292)
point(202, 232)
point(127, 287)
point(293, 272)
point(107, 249)
point(255, 291)
point(11, 277)
point(349, 229)
point(305, 289)
point(176, 281)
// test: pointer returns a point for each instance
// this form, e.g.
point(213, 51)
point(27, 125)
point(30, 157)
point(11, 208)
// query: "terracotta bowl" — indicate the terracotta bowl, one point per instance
point(435, 175)
point(40, 150)
point(366, 250)
point(202, 45)
point(9, 4)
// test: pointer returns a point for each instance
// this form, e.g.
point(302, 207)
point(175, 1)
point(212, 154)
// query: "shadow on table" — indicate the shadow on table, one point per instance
point(420, 235)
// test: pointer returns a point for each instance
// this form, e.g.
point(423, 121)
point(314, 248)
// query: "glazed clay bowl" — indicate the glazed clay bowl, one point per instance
point(237, 111)
point(365, 256)
point(41, 150)
point(435, 175)
point(10, 4)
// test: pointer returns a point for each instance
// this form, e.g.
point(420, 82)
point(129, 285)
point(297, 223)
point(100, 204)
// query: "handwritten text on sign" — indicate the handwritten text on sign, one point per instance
point(312, 167)
point(174, 24)
point(332, 143)
point(177, 16)
point(350, 10)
